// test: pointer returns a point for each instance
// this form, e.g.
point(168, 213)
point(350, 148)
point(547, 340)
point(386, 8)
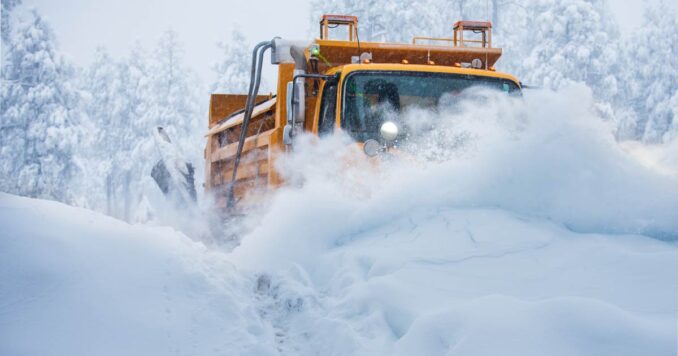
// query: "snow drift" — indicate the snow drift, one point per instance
point(536, 234)
point(75, 282)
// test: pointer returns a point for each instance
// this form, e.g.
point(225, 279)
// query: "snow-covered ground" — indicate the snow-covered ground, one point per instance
point(536, 235)
point(75, 282)
point(457, 281)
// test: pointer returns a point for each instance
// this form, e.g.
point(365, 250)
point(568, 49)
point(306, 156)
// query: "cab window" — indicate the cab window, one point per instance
point(328, 108)
point(373, 97)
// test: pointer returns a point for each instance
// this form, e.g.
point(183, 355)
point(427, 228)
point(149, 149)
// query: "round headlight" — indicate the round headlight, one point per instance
point(389, 130)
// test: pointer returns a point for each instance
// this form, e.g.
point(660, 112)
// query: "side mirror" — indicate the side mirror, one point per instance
point(287, 134)
point(296, 98)
point(289, 104)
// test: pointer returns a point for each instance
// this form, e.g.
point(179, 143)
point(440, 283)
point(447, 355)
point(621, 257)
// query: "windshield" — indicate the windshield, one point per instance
point(371, 98)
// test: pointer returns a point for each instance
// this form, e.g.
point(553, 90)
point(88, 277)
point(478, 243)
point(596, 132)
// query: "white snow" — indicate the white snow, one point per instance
point(75, 282)
point(435, 282)
point(538, 235)
point(531, 231)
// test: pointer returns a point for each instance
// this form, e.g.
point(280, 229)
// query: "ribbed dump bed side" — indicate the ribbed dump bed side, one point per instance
point(222, 144)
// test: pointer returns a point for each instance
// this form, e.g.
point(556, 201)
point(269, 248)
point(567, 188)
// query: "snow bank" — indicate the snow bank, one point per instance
point(473, 281)
point(457, 281)
point(74, 282)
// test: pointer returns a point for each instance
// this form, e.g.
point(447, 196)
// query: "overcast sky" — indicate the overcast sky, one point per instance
point(82, 25)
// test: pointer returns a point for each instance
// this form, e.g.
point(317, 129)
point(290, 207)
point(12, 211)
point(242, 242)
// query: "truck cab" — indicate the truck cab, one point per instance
point(362, 97)
point(339, 84)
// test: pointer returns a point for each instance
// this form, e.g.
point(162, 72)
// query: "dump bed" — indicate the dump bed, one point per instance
point(226, 116)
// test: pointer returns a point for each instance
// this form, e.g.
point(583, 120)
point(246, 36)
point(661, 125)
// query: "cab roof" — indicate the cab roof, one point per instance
point(422, 68)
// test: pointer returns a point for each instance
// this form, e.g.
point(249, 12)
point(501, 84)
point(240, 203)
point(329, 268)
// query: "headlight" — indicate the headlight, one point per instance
point(389, 131)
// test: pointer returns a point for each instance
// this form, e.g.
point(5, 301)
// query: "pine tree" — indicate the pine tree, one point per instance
point(651, 79)
point(233, 72)
point(120, 96)
point(174, 105)
point(384, 20)
point(155, 90)
point(41, 123)
point(571, 41)
point(106, 108)
point(6, 7)
point(130, 98)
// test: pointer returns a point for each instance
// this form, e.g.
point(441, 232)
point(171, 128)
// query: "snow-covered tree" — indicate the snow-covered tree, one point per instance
point(571, 41)
point(651, 80)
point(157, 90)
point(41, 121)
point(174, 105)
point(233, 72)
point(102, 80)
point(119, 97)
point(129, 98)
point(106, 107)
point(6, 7)
point(384, 20)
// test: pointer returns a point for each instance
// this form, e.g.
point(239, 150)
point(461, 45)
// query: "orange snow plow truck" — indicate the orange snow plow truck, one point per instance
point(331, 85)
